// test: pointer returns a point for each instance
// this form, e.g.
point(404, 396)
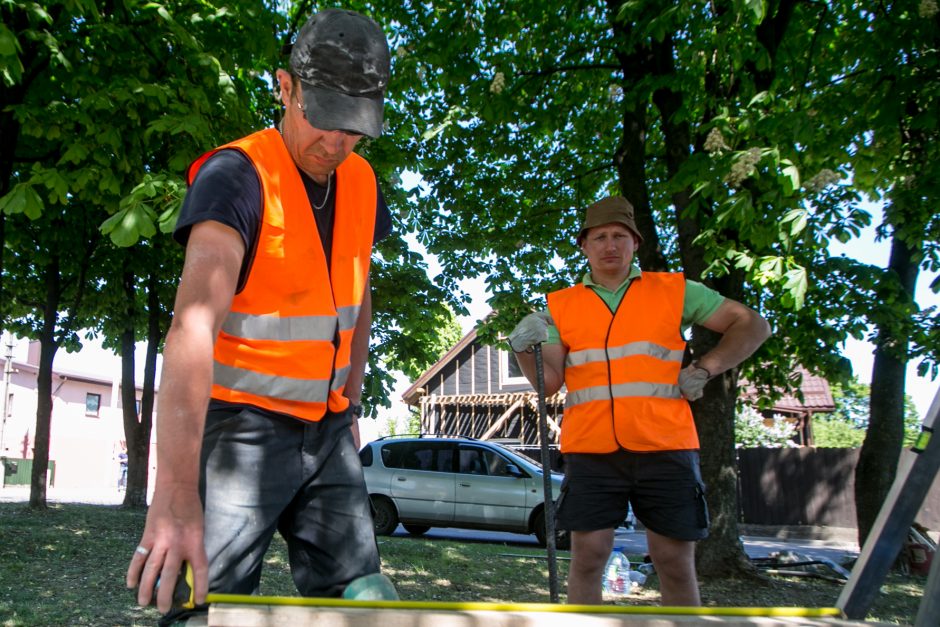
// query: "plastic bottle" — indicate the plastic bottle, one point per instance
point(617, 574)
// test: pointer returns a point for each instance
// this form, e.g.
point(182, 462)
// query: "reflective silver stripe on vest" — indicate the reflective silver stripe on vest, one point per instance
point(285, 388)
point(339, 379)
point(251, 327)
point(622, 390)
point(579, 358)
point(347, 317)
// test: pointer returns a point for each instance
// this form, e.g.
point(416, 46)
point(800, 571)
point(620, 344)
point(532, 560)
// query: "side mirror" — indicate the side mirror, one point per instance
point(513, 470)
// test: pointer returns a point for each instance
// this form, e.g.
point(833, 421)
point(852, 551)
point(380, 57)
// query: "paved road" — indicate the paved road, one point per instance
point(634, 542)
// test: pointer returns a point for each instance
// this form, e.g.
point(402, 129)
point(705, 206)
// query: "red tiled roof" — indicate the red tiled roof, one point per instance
point(817, 396)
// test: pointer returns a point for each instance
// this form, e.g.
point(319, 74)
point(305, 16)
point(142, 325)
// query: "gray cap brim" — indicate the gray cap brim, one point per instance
point(332, 111)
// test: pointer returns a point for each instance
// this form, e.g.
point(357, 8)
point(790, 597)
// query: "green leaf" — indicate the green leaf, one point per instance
point(789, 177)
point(22, 199)
point(57, 185)
point(756, 9)
point(127, 226)
point(761, 98)
point(796, 285)
point(75, 153)
point(9, 46)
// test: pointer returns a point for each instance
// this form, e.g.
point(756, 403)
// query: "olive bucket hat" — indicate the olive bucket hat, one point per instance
point(607, 211)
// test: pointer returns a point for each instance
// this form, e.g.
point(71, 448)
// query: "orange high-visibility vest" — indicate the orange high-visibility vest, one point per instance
point(622, 368)
point(285, 344)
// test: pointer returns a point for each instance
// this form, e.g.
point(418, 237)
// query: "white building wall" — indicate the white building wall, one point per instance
point(84, 446)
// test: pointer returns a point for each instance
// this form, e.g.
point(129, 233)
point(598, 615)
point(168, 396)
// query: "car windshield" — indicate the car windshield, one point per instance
point(516, 455)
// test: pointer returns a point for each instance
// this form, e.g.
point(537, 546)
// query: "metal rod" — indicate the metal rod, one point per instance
point(546, 478)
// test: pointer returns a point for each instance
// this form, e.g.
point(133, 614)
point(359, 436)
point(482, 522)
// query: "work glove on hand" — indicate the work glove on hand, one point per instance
point(692, 380)
point(531, 330)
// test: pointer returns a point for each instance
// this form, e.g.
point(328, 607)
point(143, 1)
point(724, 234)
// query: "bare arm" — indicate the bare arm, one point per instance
point(743, 331)
point(174, 528)
point(553, 367)
point(359, 356)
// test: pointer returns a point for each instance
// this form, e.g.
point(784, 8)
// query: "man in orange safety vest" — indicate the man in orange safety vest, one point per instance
point(257, 426)
point(615, 341)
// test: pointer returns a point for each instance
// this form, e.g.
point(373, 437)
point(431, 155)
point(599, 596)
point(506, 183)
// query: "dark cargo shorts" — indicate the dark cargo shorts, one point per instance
point(664, 488)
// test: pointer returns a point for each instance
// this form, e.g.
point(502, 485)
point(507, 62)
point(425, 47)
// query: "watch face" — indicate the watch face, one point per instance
point(356, 410)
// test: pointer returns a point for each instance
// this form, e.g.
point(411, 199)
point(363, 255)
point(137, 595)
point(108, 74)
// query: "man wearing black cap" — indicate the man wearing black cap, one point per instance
point(627, 435)
point(257, 423)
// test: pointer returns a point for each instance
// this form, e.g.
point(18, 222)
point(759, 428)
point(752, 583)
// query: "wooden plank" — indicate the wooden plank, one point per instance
point(929, 613)
point(916, 472)
point(499, 421)
point(227, 615)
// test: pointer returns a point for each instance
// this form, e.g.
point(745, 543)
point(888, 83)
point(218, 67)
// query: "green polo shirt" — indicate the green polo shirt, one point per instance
point(700, 301)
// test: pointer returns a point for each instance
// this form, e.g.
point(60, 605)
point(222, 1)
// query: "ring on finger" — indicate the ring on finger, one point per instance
point(140, 550)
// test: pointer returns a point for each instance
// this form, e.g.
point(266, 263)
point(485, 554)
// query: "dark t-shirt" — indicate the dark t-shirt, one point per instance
point(227, 190)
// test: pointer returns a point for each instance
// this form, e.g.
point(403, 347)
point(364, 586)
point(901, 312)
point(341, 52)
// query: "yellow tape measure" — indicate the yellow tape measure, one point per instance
point(461, 606)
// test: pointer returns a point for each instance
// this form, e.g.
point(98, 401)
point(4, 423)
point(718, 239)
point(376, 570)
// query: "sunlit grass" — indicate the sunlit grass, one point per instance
point(66, 565)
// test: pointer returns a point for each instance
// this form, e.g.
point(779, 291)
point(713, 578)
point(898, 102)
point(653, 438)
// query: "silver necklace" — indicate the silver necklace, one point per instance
point(327, 196)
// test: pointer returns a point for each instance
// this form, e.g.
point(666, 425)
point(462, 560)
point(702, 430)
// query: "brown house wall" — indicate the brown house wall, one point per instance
point(474, 370)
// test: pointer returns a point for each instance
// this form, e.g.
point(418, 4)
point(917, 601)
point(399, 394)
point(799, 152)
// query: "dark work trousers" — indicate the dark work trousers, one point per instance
point(263, 472)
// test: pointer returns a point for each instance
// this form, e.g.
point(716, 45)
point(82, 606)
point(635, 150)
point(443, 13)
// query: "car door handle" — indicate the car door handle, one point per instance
point(464, 485)
point(402, 478)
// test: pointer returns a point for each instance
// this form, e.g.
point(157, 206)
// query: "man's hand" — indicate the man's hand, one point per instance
point(173, 534)
point(531, 330)
point(692, 380)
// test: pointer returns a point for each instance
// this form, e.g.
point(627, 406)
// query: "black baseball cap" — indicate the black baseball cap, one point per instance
point(341, 58)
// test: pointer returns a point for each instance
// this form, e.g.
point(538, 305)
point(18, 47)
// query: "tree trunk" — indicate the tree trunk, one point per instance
point(138, 427)
point(48, 348)
point(129, 410)
point(881, 450)
point(722, 553)
point(630, 159)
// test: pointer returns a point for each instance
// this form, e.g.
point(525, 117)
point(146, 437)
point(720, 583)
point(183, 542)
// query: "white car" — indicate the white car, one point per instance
point(426, 482)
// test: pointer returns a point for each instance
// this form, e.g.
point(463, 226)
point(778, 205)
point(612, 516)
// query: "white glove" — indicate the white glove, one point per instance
point(531, 330)
point(692, 380)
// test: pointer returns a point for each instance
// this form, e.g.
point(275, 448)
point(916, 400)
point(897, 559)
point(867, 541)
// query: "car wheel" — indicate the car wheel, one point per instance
point(384, 516)
point(562, 538)
point(417, 530)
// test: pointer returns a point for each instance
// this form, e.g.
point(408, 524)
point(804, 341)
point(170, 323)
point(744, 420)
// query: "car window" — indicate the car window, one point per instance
point(476, 460)
point(392, 454)
point(496, 464)
point(427, 456)
point(365, 456)
point(418, 459)
point(444, 461)
point(471, 461)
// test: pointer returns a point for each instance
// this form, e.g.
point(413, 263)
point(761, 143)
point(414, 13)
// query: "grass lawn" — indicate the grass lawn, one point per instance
point(66, 565)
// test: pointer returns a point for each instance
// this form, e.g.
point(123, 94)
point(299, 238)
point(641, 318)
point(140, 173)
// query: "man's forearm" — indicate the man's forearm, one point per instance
point(738, 342)
point(359, 350)
point(553, 368)
point(185, 385)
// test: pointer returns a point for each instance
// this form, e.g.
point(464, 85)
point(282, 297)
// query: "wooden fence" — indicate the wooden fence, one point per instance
point(808, 486)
